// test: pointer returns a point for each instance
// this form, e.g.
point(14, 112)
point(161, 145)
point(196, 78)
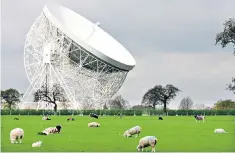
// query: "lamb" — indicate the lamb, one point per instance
point(37, 144)
point(132, 131)
point(16, 135)
point(51, 130)
point(147, 141)
point(93, 124)
point(220, 131)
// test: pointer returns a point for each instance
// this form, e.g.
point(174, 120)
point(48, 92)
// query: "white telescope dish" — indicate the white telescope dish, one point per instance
point(89, 36)
point(63, 49)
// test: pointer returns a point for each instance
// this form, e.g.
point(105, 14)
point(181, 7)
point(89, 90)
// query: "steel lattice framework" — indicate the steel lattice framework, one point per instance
point(83, 76)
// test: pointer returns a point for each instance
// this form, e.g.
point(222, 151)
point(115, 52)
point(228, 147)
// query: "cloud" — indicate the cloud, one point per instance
point(172, 42)
point(202, 76)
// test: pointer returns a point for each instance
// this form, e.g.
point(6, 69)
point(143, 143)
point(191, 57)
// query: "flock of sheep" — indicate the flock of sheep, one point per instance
point(17, 134)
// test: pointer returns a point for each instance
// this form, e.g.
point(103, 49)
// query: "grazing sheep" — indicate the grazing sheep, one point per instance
point(71, 119)
point(93, 124)
point(51, 130)
point(92, 115)
point(220, 131)
point(198, 118)
point(160, 118)
point(37, 144)
point(132, 131)
point(16, 135)
point(146, 142)
point(46, 118)
point(16, 118)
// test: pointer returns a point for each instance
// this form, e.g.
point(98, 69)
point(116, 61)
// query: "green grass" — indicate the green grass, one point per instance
point(176, 133)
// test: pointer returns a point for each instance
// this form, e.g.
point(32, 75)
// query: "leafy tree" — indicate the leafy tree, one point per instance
point(225, 104)
point(186, 103)
point(10, 98)
point(231, 86)
point(228, 37)
point(160, 95)
point(51, 95)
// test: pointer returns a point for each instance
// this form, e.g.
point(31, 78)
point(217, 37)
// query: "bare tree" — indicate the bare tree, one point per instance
point(200, 106)
point(186, 103)
point(86, 105)
point(51, 95)
point(118, 103)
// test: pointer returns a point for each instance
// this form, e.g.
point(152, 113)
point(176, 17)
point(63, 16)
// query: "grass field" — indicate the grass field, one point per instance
point(176, 133)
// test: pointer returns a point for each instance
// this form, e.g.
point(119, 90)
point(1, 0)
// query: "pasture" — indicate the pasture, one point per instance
point(174, 133)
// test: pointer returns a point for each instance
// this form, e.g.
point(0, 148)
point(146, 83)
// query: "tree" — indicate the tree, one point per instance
point(186, 103)
point(150, 99)
point(228, 37)
point(225, 104)
point(160, 95)
point(87, 105)
point(231, 86)
point(139, 107)
point(51, 95)
point(200, 106)
point(118, 103)
point(10, 98)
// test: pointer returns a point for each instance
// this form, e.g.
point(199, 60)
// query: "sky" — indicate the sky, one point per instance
point(172, 41)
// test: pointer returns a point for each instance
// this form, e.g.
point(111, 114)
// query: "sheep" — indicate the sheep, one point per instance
point(16, 135)
point(51, 130)
point(93, 124)
point(92, 115)
point(198, 118)
point(220, 131)
point(37, 144)
point(71, 119)
point(147, 141)
point(46, 118)
point(132, 131)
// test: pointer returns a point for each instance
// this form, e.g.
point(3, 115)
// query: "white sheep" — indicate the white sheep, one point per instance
point(51, 130)
point(146, 142)
point(93, 124)
point(37, 144)
point(16, 135)
point(132, 131)
point(220, 131)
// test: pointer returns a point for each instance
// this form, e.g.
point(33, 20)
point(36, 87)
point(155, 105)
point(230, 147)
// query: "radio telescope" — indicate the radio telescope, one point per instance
point(64, 48)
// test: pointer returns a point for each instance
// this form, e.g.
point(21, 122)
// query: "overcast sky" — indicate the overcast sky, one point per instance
point(173, 42)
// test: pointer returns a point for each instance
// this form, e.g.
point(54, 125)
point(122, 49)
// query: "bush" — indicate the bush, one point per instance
point(136, 112)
